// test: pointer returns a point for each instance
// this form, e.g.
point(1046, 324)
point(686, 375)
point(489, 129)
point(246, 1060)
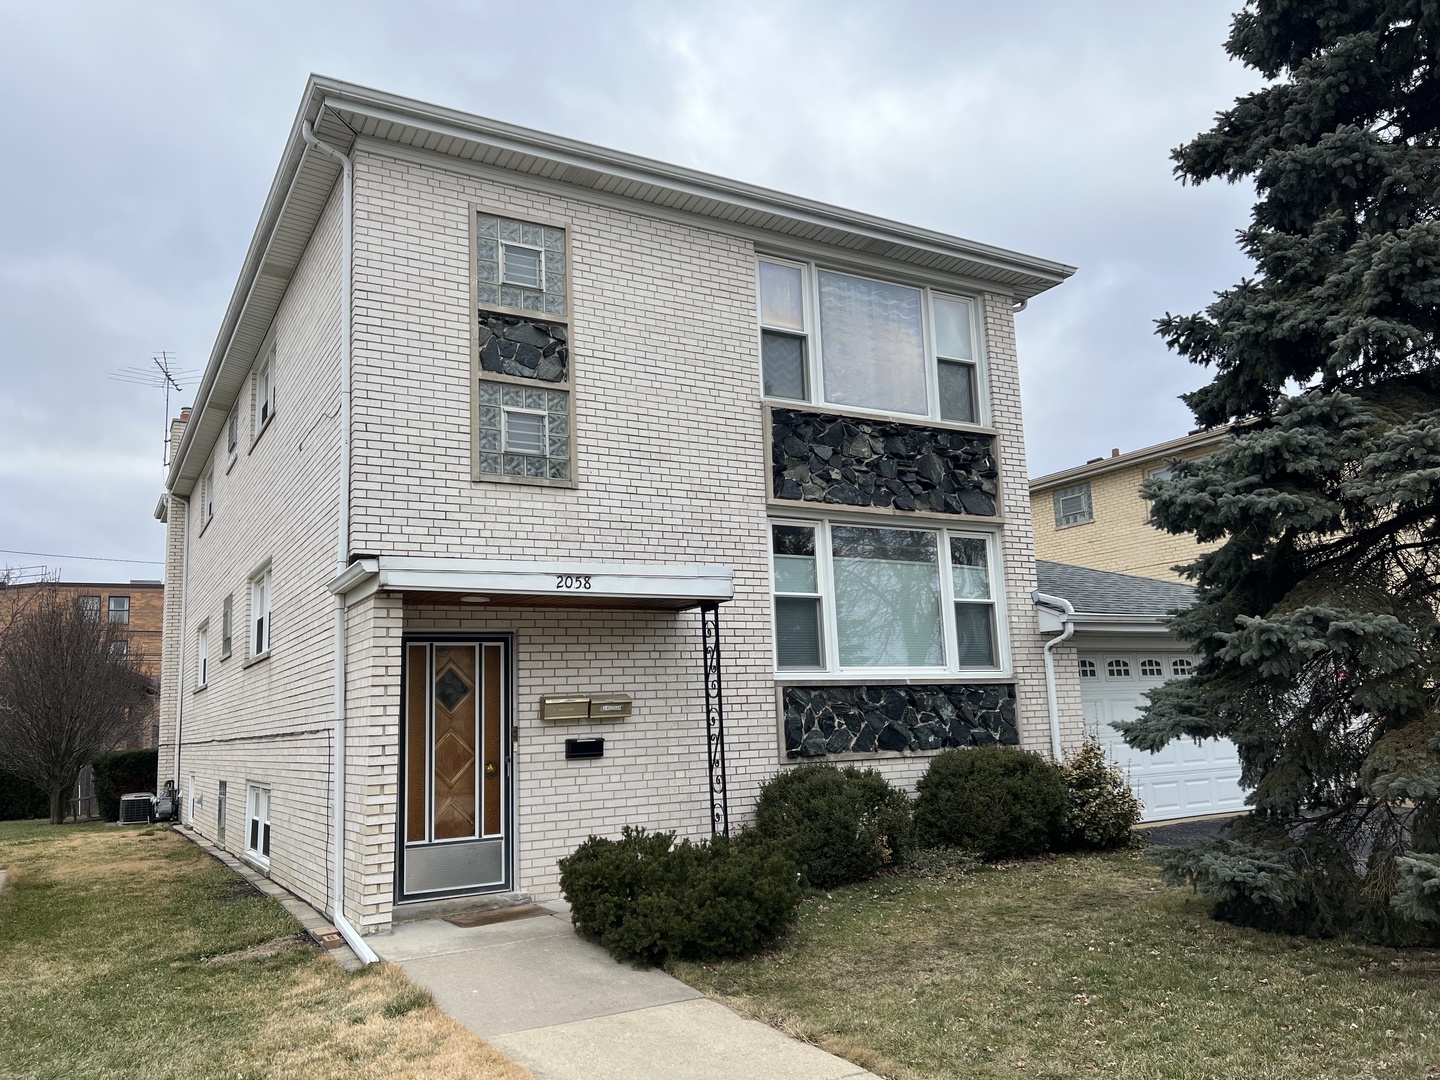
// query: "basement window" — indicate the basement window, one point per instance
point(257, 827)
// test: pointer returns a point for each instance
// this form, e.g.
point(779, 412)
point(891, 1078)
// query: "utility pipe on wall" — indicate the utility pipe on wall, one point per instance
point(342, 554)
point(1067, 610)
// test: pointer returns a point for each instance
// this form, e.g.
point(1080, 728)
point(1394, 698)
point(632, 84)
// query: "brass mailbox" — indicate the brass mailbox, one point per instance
point(609, 706)
point(565, 707)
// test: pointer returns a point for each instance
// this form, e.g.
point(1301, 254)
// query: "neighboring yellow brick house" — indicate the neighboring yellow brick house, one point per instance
point(1093, 515)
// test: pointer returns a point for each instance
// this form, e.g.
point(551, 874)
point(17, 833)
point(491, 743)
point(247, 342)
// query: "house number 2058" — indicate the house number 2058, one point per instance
point(572, 581)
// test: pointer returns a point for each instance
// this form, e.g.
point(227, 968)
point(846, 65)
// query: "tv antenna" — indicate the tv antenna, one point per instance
point(163, 375)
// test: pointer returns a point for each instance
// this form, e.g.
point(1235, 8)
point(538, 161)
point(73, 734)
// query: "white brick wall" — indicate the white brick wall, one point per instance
point(270, 721)
point(672, 468)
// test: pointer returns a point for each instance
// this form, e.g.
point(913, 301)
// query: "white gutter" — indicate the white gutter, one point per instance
point(1055, 603)
point(342, 554)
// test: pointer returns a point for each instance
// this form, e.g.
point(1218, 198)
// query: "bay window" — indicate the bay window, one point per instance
point(833, 338)
point(862, 598)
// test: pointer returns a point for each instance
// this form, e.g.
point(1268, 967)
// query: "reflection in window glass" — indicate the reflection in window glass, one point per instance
point(783, 357)
point(952, 329)
point(872, 344)
point(887, 597)
point(957, 392)
point(797, 599)
point(782, 301)
point(974, 607)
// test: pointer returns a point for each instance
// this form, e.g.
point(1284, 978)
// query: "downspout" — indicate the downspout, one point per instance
point(180, 674)
point(1060, 604)
point(342, 554)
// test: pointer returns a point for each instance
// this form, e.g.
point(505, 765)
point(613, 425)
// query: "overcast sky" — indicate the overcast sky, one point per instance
point(141, 139)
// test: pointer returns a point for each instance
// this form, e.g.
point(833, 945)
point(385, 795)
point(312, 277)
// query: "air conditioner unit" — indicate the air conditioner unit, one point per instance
point(137, 808)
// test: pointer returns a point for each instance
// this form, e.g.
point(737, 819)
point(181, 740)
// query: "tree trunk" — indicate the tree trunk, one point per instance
point(57, 805)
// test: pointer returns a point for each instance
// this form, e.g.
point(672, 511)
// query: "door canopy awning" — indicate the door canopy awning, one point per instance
point(522, 583)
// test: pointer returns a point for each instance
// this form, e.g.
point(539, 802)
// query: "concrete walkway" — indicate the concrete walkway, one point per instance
point(564, 1009)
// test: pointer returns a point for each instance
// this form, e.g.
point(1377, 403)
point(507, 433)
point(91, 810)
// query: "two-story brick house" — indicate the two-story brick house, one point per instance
point(509, 444)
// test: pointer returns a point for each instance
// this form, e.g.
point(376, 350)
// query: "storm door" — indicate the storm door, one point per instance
point(456, 804)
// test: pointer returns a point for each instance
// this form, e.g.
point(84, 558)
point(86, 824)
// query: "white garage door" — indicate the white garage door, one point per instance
point(1182, 780)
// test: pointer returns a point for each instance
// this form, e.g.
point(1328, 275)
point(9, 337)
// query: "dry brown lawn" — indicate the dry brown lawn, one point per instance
point(132, 953)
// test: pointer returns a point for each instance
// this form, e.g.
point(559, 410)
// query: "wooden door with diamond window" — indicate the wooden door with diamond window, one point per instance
point(456, 770)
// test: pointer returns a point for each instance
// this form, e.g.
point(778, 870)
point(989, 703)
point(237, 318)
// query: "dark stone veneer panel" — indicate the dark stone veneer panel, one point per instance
point(824, 720)
point(822, 458)
point(527, 348)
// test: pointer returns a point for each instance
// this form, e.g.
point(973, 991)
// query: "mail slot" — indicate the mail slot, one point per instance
point(609, 706)
point(565, 707)
point(584, 748)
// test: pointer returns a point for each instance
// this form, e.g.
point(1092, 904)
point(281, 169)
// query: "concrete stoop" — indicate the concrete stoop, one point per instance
point(320, 929)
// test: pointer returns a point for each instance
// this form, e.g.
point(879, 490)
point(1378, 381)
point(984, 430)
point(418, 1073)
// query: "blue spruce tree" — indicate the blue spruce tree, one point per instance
point(1318, 616)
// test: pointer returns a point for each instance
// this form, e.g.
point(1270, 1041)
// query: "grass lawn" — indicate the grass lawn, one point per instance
point(133, 953)
point(1079, 966)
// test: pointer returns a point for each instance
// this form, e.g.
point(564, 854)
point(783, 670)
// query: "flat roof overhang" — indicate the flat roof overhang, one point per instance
point(523, 583)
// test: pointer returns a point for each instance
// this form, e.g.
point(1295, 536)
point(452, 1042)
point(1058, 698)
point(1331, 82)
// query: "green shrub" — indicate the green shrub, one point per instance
point(648, 899)
point(841, 825)
point(120, 773)
point(994, 800)
point(1103, 809)
point(21, 799)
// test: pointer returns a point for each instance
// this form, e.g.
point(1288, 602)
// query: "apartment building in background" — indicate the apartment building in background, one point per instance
point(1092, 514)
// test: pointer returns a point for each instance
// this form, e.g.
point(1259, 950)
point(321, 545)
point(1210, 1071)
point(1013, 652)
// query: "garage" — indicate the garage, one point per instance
point(1183, 780)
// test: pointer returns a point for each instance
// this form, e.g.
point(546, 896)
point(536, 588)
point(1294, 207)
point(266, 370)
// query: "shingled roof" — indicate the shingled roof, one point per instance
point(1100, 592)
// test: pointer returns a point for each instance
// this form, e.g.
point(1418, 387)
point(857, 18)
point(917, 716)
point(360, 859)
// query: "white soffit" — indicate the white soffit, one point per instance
point(522, 583)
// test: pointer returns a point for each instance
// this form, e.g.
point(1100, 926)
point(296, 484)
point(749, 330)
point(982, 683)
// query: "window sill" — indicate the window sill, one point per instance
point(234, 457)
point(263, 428)
point(199, 687)
point(226, 656)
point(260, 862)
point(891, 678)
point(1075, 524)
point(258, 658)
point(527, 481)
point(205, 524)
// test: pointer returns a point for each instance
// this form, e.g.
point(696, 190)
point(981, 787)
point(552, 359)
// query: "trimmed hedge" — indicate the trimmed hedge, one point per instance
point(20, 799)
point(1000, 802)
point(842, 825)
point(648, 899)
point(120, 773)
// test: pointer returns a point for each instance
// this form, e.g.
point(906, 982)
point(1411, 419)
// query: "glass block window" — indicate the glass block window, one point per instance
point(1152, 669)
point(1072, 506)
point(1117, 669)
point(520, 265)
point(1088, 670)
point(524, 431)
point(1181, 668)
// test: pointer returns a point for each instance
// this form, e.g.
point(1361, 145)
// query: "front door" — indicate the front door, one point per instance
point(455, 819)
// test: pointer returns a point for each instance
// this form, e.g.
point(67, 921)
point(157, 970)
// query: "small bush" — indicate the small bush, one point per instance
point(994, 800)
point(842, 825)
point(20, 799)
point(121, 773)
point(1103, 809)
point(648, 899)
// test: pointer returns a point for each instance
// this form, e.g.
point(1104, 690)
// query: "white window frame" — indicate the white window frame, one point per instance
point(232, 434)
point(261, 630)
point(505, 411)
point(257, 822)
point(207, 497)
point(202, 656)
point(505, 246)
point(832, 671)
point(814, 356)
point(264, 393)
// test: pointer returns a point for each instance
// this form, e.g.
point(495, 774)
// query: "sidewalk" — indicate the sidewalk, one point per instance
point(564, 1009)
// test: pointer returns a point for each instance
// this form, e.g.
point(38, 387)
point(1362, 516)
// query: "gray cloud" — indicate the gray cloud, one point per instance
point(143, 137)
